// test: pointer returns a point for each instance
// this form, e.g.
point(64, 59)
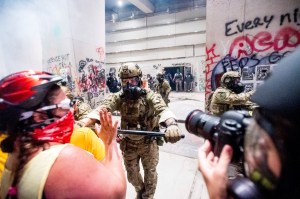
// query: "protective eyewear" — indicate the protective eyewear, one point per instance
point(64, 104)
point(133, 81)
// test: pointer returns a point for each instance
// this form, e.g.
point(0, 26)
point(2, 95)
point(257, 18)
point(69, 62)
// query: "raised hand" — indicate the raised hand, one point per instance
point(108, 130)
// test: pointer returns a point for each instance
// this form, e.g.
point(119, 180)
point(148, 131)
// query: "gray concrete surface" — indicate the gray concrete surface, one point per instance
point(178, 177)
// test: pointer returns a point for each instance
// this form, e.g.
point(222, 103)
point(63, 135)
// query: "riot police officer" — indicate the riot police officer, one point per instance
point(140, 109)
point(163, 87)
point(230, 95)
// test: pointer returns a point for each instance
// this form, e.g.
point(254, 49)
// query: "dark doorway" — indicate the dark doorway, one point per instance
point(169, 75)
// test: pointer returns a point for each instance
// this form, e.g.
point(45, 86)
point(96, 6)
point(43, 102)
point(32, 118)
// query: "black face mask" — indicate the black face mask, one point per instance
point(160, 79)
point(238, 88)
point(132, 92)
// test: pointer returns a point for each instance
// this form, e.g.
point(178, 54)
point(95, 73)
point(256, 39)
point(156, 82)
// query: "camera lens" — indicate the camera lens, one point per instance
point(201, 124)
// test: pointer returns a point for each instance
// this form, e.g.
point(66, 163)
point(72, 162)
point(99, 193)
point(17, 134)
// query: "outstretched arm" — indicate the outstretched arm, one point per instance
point(214, 169)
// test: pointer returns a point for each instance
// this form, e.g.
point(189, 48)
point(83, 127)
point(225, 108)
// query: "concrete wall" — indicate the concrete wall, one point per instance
point(61, 36)
point(249, 36)
point(160, 41)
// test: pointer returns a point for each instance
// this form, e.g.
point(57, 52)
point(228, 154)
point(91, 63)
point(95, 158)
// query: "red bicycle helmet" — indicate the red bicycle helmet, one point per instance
point(25, 89)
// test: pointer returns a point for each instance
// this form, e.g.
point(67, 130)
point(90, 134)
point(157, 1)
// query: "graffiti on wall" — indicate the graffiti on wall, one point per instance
point(253, 54)
point(61, 65)
point(91, 80)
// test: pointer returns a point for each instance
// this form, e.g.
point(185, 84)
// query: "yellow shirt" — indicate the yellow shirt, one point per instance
point(86, 139)
point(3, 156)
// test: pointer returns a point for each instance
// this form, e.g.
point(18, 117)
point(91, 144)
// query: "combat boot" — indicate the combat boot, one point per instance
point(139, 194)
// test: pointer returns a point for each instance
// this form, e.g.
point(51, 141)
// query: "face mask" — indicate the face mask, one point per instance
point(262, 165)
point(132, 92)
point(57, 131)
point(238, 88)
point(160, 79)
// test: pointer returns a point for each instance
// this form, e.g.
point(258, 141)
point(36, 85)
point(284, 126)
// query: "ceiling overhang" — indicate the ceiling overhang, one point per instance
point(144, 5)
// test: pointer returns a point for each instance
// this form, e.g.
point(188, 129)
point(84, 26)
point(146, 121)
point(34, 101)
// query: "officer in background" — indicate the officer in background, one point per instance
point(163, 87)
point(178, 77)
point(188, 82)
point(112, 83)
point(140, 109)
point(81, 109)
point(230, 95)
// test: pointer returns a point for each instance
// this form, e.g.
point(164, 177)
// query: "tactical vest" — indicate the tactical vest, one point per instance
point(134, 116)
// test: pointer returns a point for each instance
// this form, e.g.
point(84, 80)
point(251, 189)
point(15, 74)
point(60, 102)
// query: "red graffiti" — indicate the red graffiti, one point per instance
point(211, 58)
point(101, 53)
point(287, 37)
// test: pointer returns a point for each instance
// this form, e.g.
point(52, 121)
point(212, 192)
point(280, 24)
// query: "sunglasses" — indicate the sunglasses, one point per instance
point(64, 104)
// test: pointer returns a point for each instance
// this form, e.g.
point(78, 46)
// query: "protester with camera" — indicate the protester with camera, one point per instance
point(271, 152)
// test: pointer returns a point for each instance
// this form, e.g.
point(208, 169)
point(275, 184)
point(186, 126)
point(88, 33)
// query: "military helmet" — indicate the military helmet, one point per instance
point(159, 74)
point(228, 78)
point(129, 70)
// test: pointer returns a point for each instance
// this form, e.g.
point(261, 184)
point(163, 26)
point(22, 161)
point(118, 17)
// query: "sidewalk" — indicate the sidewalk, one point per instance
point(178, 176)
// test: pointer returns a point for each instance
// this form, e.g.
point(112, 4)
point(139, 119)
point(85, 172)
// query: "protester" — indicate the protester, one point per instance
point(271, 152)
point(36, 116)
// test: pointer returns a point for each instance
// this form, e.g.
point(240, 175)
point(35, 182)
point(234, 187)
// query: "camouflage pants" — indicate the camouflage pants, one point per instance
point(146, 151)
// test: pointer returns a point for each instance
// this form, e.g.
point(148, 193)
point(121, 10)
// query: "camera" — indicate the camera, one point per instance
point(228, 129)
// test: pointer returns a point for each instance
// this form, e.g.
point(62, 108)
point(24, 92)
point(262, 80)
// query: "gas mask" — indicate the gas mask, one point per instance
point(160, 78)
point(262, 165)
point(235, 85)
point(131, 89)
point(238, 88)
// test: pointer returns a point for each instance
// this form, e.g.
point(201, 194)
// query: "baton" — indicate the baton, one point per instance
point(146, 133)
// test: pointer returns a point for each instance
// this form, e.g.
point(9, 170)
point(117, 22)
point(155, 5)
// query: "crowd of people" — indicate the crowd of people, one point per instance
point(50, 151)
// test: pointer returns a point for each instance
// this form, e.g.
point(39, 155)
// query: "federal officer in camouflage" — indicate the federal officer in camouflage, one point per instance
point(140, 109)
point(81, 109)
point(230, 95)
point(163, 87)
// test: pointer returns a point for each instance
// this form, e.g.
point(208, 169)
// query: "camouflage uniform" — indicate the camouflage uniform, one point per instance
point(164, 89)
point(224, 99)
point(143, 113)
point(81, 110)
point(227, 98)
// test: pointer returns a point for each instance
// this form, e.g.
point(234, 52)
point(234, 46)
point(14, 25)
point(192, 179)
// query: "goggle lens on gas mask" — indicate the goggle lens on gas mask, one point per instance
point(131, 82)
point(262, 163)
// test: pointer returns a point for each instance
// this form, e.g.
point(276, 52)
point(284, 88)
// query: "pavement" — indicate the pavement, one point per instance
point(178, 176)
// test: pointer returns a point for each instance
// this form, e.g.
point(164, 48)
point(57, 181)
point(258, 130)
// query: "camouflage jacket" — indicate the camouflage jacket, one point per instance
point(81, 110)
point(146, 113)
point(164, 89)
point(224, 99)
